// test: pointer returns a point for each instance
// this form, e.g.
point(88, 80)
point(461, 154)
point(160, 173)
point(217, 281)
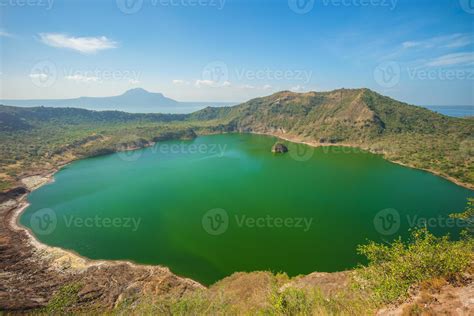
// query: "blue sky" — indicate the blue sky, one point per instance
point(421, 52)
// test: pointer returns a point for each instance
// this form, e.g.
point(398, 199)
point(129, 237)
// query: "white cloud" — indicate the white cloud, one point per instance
point(86, 45)
point(133, 81)
point(297, 88)
point(81, 78)
point(179, 82)
point(453, 60)
point(211, 83)
point(4, 33)
point(38, 76)
point(267, 87)
point(411, 44)
point(447, 41)
point(248, 86)
point(205, 83)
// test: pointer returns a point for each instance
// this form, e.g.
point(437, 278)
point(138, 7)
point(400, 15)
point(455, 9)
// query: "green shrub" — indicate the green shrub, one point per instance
point(292, 301)
point(395, 267)
point(64, 298)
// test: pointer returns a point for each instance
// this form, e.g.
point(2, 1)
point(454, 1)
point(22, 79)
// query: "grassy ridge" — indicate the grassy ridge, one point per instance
point(38, 139)
point(35, 140)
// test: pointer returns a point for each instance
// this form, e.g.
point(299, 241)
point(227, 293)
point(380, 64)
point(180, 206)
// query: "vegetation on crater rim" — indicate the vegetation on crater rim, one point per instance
point(40, 139)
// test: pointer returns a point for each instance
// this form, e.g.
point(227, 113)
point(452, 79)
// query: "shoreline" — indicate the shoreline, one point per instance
point(48, 178)
point(71, 255)
point(84, 262)
point(61, 262)
point(317, 145)
point(32, 273)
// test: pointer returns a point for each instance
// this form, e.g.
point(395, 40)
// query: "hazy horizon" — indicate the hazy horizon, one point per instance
point(415, 52)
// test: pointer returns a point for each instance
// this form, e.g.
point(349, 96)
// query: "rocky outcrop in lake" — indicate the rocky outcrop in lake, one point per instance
point(279, 148)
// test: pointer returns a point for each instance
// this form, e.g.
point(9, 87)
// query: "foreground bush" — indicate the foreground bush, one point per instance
point(395, 267)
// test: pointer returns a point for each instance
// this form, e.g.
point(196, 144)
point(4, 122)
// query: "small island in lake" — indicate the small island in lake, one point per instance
point(279, 148)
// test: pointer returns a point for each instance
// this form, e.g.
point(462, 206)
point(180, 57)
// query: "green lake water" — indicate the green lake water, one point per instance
point(215, 205)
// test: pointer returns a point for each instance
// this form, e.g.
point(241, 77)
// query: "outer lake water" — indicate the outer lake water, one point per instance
point(219, 204)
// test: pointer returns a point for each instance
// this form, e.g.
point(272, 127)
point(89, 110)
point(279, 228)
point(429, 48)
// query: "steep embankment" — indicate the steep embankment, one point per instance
point(403, 133)
point(38, 140)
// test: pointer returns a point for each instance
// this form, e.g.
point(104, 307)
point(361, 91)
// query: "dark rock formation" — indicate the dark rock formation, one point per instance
point(12, 194)
point(279, 148)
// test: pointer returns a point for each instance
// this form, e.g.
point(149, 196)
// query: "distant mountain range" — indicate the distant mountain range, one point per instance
point(135, 100)
point(407, 134)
